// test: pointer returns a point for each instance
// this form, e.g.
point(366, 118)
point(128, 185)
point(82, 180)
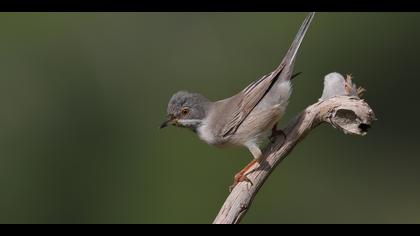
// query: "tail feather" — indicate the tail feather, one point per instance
point(288, 61)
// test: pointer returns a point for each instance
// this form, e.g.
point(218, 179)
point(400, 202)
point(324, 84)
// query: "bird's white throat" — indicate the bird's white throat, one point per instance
point(205, 133)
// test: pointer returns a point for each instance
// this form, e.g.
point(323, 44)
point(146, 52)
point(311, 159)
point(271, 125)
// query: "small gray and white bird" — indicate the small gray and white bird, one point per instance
point(244, 119)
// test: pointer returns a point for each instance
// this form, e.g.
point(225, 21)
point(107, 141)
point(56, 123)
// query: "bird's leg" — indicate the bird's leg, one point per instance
point(276, 132)
point(241, 175)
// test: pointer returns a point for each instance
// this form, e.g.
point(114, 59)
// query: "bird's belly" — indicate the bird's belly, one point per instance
point(256, 127)
point(206, 135)
point(266, 114)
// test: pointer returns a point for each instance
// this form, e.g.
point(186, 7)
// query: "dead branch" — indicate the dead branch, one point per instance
point(339, 106)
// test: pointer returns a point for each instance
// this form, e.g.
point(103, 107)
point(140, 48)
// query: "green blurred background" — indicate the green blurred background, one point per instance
point(82, 96)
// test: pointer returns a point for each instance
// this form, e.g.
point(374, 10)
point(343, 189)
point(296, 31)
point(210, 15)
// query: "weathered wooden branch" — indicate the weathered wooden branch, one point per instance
point(339, 106)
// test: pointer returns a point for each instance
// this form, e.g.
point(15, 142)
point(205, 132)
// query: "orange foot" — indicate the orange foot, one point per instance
point(241, 175)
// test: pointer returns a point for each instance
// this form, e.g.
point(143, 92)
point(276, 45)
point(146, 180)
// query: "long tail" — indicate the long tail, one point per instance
point(286, 66)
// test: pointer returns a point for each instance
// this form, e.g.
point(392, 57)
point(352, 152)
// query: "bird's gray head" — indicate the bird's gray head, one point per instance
point(186, 109)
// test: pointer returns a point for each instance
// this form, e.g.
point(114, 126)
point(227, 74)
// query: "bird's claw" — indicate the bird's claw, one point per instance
point(240, 177)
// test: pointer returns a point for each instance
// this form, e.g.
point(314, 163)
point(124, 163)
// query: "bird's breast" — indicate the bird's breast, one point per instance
point(206, 134)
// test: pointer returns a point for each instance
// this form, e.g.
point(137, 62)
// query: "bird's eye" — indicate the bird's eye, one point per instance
point(185, 111)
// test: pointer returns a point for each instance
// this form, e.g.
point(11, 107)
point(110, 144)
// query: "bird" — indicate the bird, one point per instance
point(244, 119)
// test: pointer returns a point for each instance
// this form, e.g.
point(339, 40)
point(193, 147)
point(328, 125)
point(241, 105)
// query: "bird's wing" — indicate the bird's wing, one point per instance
point(249, 98)
point(253, 93)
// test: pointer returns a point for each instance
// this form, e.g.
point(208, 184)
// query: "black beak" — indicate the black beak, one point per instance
point(164, 124)
point(170, 120)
